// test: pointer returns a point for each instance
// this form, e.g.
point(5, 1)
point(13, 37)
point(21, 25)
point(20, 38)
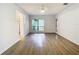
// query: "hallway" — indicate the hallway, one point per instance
point(43, 44)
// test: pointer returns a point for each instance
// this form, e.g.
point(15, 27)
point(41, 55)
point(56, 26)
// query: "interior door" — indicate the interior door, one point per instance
point(20, 20)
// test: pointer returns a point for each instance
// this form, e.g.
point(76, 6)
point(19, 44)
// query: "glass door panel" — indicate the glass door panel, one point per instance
point(38, 25)
point(41, 25)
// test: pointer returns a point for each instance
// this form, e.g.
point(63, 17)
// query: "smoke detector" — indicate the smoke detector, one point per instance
point(65, 4)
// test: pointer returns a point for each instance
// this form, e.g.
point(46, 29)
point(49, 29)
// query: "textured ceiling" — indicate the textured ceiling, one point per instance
point(35, 8)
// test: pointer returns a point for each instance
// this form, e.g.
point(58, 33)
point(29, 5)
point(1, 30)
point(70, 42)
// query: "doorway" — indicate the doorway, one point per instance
point(20, 21)
point(38, 25)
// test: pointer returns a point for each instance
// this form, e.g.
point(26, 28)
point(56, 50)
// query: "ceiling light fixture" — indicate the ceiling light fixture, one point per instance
point(43, 9)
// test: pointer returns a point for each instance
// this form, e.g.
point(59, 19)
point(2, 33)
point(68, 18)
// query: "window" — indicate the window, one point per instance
point(38, 25)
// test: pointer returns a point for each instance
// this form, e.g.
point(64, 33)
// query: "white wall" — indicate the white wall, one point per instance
point(68, 23)
point(8, 26)
point(49, 22)
point(26, 25)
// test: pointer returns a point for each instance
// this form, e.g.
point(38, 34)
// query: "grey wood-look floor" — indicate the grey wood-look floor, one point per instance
point(43, 44)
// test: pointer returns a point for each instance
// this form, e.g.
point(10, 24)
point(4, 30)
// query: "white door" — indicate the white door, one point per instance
point(20, 20)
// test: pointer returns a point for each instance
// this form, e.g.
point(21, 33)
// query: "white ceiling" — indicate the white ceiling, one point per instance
point(35, 8)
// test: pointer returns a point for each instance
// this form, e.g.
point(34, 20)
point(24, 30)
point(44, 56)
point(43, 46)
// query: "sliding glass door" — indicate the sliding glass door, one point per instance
point(38, 25)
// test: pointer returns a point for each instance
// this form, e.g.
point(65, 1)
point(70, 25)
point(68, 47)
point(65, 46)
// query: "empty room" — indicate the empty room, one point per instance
point(39, 28)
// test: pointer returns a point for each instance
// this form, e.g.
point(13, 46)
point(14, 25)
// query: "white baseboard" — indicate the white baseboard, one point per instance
point(9, 47)
point(69, 39)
